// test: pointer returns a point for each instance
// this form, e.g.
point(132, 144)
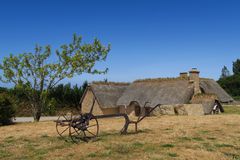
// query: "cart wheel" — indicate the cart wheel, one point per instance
point(63, 124)
point(92, 128)
point(84, 128)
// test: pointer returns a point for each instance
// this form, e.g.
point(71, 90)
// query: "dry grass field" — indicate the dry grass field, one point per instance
point(214, 137)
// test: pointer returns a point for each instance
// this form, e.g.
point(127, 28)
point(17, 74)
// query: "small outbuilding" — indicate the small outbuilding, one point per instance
point(105, 95)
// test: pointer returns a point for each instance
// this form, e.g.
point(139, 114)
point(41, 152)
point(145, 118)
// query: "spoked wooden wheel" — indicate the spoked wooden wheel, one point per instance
point(84, 128)
point(63, 124)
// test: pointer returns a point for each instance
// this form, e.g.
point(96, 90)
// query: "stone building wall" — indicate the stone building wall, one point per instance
point(87, 103)
point(179, 109)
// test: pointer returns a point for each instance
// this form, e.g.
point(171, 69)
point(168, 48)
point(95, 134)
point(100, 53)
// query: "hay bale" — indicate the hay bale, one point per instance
point(164, 110)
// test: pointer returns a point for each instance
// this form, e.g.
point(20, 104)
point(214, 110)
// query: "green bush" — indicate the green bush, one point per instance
point(237, 98)
point(6, 110)
point(231, 85)
point(50, 109)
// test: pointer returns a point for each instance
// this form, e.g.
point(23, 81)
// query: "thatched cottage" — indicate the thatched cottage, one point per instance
point(186, 90)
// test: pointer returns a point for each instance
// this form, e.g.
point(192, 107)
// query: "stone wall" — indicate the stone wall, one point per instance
point(164, 110)
point(107, 111)
point(87, 103)
point(179, 109)
point(190, 109)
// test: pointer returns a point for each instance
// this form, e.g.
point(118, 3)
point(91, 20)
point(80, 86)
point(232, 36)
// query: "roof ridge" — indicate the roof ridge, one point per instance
point(206, 79)
point(158, 79)
point(110, 83)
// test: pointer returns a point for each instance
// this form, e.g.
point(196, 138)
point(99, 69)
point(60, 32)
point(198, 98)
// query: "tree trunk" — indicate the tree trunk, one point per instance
point(37, 112)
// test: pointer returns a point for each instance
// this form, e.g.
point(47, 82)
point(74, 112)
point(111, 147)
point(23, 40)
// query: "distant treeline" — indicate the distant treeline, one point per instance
point(60, 97)
point(230, 82)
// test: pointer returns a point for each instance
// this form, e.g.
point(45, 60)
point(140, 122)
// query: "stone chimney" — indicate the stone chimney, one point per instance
point(183, 75)
point(194, 78)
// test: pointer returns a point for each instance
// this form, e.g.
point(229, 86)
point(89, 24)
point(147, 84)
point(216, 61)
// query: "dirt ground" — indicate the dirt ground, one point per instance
point(165, 137)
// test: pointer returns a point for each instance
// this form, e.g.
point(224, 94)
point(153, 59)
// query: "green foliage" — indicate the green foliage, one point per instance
point(36, 73)
point(231, 84)
point(236, 67)
point(18, 96)
point(20, 101)
point(6, 109)
point(237, 98)
point(167, 145)
point(225, 72)
point(50, 108)
point(3, 90)
point(59, 97)
point(66, 95)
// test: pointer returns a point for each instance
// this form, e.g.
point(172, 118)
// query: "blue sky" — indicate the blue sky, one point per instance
point(149, 38)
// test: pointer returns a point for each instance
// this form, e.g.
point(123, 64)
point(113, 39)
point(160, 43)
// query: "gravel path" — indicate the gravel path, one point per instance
point(30, 119)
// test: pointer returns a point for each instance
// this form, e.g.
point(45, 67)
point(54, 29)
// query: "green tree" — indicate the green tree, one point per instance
point(236, 67)
point(78, 93)
point(3, 90)
point(36, 73)
point(225, 72)
point(6, 109)
point(65, 95)
point(231, 84)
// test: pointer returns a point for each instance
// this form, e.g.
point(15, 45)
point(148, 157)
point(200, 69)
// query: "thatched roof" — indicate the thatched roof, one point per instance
point(210, 86)
point(157, 91)
point(108, 93)
point(169, 91)
point(110, 83)
point(151, 80)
